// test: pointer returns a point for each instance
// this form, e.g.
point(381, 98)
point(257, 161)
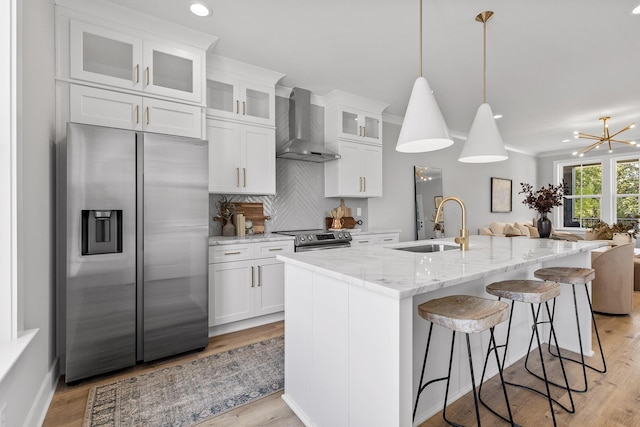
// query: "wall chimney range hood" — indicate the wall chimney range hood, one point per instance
point(300, 146)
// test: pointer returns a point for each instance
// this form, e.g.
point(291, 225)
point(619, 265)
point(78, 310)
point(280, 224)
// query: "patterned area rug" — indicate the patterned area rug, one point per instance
point(192, 392)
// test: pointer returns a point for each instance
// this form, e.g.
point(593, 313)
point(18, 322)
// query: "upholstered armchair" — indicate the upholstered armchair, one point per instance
point(612, 289)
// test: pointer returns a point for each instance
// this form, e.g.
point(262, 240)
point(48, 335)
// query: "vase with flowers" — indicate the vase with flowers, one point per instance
point(542, 201)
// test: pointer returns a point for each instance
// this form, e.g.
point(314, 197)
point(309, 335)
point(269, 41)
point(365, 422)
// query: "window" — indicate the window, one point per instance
point(581, 207)
point(627, 191)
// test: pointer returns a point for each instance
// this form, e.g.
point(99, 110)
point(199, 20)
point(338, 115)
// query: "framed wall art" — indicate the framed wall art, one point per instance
point(500, 195)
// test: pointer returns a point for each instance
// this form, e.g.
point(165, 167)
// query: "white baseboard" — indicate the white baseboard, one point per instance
point(245, 324)
point(42, 400)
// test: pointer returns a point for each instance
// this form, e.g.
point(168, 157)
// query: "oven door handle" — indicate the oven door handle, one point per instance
point(322, 247)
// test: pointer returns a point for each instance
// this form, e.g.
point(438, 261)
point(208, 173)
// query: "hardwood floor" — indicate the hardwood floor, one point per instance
point(612, 399)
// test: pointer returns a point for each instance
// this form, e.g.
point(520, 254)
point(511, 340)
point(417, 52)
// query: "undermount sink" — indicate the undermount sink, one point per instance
point(428, 248)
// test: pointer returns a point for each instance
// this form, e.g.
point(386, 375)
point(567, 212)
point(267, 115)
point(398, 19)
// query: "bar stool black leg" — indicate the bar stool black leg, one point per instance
point(595, 327)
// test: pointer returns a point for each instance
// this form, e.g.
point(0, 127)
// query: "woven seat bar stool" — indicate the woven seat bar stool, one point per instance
point(531, 292)
point(468, 314)
point(575, 276)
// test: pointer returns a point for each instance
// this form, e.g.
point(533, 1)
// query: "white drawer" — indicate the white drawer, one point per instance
point(271, 249)
point(388, 238)
point(226, 253)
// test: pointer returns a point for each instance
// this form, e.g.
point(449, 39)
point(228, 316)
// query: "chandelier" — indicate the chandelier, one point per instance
point(606, 137)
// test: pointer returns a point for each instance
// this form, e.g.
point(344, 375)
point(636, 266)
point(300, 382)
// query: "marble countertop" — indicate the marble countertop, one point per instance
point(401, 274)
point(253, 238)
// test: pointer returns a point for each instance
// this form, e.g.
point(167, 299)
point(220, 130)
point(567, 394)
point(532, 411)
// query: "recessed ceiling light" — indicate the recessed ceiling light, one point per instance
point(636, 10)
point(497, 116)
point(199, 9)
point(566, 140)
point(575, 132)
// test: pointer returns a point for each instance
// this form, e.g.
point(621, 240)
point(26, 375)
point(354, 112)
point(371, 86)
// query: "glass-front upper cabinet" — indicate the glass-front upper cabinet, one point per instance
point(360, 125)
point(115, 58)
point(241, 100)
point(104, 56)
point(173, 72)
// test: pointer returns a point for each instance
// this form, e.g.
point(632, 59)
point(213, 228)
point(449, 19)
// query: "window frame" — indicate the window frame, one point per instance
point(609, 194)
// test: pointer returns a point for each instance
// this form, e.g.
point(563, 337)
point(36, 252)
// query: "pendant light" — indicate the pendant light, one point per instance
point(423, 128)
point(484, 143)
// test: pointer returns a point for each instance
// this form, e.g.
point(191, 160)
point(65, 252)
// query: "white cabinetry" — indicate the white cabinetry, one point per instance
point(374, 239)
point(358, 173)
point(241, 127)
point(119, 68)
point(126, 111)
point(241, 158)
point(114, 58)
point(353, 128)
point(245, 281)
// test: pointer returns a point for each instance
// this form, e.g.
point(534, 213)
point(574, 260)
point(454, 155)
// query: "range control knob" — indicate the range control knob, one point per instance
point(302, 238)
point(340, 235)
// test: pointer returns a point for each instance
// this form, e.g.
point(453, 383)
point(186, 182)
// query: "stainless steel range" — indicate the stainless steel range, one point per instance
point(316, 240)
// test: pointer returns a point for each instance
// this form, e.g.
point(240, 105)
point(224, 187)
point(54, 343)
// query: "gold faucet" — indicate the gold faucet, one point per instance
point(463, 238)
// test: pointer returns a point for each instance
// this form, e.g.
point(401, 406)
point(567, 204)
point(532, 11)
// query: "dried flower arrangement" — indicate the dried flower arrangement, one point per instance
point(225, 210)
point(603, 231)
point(544, 199)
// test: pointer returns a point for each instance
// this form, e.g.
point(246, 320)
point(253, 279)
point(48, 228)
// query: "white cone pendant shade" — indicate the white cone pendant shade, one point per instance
point(484, 143)
point(423, 128)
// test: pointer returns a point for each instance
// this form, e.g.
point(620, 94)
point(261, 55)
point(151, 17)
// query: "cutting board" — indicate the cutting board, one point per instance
point(253, 212)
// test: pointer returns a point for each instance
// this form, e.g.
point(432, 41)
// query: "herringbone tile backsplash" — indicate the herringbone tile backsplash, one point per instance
point(299, 203)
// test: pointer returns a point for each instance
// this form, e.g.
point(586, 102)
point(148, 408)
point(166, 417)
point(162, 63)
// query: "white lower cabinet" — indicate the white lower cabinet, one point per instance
point(245, 281)
point(108, 108)
point(374, 239)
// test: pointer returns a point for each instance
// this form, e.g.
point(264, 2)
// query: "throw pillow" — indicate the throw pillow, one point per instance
point(523, 229)
point(533, 231)
point(510, 230)
point(498, 228)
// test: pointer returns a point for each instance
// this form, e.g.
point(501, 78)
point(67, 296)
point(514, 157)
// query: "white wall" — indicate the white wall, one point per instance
point(470, 182)
point(28, 386)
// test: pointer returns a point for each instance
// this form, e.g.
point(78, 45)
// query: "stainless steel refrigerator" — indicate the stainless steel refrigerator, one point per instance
point(132, 255)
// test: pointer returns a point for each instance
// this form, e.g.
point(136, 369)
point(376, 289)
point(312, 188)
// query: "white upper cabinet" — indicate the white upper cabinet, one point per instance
point(240, 92)
point(242, 158)
point(352, 117)
point(353, 128)
point(115, 58)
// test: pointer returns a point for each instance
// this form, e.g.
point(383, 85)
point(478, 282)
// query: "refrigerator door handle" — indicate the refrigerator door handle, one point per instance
point(252, 277)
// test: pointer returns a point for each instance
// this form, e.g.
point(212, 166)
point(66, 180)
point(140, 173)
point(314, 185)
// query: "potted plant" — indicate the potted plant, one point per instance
point(542, 201)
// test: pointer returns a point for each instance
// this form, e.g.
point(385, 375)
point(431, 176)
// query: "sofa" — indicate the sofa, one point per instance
point(523, 228)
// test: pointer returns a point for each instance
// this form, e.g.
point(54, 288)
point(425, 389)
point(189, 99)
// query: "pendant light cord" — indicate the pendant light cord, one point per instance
point(420, 38)
point(484, 60)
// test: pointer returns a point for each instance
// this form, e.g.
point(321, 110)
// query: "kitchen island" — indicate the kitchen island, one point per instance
point(354, 342)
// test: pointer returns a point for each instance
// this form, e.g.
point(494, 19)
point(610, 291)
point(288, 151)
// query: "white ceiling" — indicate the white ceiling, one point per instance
point(553, 66)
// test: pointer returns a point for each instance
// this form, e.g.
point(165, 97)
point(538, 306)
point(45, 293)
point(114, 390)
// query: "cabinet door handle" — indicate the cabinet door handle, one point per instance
point(244, 108)
point(237, 107)
point(244, 177)
point(237, 177)
point(363, 241)
point(364, 131)
point(137, 114)
point(364, 181)
point(147, 111)
point(388, 240)
point(275, 249)
point(360, 189)
point(259, 275)
point(232, 253)
point(137, 73)
point(147, 76)
point(252, 277)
